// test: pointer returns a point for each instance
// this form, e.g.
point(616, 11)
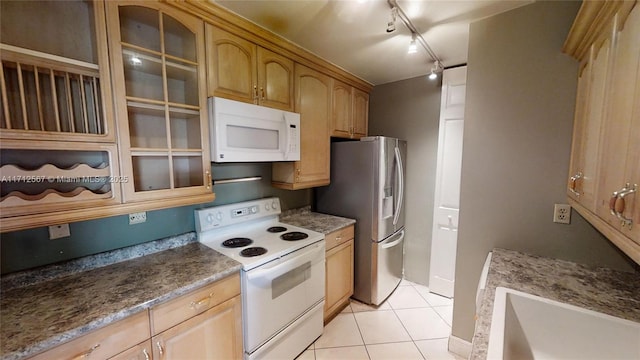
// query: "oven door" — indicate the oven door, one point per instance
point(277, 293)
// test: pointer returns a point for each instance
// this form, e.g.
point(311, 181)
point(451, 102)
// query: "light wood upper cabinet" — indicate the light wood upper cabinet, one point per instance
point(339, 271)
point(157, 57)
point(349, 111)
point(313, 102)
point(275, 80)
point(620, 156)
point(360, 113)
point(240, 70)
point(605, 160)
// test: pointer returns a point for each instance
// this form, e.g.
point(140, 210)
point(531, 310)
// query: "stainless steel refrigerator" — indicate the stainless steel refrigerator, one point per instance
point(367, 184)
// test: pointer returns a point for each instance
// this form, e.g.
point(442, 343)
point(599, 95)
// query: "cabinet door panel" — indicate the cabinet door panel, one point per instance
point(360, 113)
point(232, 66)
point(313, 103)
point(341, 109)
point(339, 276)
point(214, 334)
point(592, 131)
point(161, 101)
point(618, 134)
point(275, 79)
point(574, 186)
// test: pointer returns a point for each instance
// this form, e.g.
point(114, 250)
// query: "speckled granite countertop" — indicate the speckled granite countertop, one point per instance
point(39, 314)
point(322, 223)
point(608, 291)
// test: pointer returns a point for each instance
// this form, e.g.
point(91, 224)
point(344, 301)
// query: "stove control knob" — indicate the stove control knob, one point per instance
point(267, 207)
point(219, 216)
point(210, 219)
point(254, 209)
point(274, 205)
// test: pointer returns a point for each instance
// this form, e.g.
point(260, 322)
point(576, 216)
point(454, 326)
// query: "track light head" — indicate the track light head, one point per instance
point(435, 69)
point(391, 25)
point(413, 47)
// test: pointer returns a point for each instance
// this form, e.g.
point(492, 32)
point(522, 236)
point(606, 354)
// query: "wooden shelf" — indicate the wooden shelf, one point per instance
point(65, 217)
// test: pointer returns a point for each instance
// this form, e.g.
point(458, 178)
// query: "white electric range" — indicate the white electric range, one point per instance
point(282, 275)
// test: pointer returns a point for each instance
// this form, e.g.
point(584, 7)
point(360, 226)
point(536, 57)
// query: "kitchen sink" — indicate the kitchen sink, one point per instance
point(525, 326)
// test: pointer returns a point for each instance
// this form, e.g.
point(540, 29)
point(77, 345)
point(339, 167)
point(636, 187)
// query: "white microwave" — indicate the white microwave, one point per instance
point(242, 132)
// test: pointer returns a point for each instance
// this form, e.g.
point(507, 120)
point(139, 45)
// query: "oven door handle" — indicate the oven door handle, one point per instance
point(314, 254)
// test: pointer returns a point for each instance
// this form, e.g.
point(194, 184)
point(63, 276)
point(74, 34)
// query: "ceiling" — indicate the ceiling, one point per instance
point(352, 33)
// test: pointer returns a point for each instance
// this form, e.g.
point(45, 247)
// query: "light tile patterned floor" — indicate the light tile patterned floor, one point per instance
point(412, 324)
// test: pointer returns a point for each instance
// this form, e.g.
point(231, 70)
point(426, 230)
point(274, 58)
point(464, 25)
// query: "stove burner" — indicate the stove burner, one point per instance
point(276, 229)
point(237, 242)
point(293, 236)
point(253, 251)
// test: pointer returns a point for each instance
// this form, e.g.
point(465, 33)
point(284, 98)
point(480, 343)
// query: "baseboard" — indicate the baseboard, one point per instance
point(459, 346)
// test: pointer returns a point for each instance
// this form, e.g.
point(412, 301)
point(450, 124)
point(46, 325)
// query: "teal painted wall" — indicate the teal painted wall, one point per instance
point(26, 249)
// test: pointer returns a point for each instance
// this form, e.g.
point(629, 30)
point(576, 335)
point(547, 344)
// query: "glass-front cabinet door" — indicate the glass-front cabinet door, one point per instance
point(157, 56)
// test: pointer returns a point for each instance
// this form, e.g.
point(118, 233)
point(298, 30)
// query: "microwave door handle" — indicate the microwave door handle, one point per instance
point(287, 140)
point(400, 185)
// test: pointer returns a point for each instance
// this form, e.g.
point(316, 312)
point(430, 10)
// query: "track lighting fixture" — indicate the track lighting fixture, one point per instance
point(435, 69)
point(391, 25)
point(413, 47)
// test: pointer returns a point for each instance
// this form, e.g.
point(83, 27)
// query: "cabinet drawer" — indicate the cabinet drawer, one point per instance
point(338, 237)
point(103, 343)
point(178, 310)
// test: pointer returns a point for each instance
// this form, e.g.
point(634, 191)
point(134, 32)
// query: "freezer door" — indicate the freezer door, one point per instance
point(389, 190)
point(387, 258)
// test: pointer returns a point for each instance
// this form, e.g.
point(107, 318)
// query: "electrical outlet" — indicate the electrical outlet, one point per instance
point(59, 231)
point(137, 218)
point(562, 213)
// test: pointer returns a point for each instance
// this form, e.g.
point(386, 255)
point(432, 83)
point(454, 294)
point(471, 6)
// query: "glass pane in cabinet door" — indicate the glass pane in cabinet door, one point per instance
point(140, 26)
point(178, 40)
point(147, 126)
point(187, 171)
point(185, 128)
point(182, 83)
point(151, 173)
point(142, 75)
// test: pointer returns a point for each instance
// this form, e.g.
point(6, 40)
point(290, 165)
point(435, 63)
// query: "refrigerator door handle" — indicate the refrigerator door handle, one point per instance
point(400, 185)
point(393, 243)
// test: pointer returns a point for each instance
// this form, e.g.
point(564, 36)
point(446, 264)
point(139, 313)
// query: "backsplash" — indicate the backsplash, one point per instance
point(30, 248)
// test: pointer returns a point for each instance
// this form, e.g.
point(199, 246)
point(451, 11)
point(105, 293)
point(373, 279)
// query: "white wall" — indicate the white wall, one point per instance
point(517, 137)
point(410, 110)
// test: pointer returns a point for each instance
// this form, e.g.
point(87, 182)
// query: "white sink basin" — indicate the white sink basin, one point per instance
point(525, 326)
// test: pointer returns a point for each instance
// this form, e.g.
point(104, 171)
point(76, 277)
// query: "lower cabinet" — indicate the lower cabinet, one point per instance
point(203, 324)
point(104, 343)
point(339, 271)
point(214, 334)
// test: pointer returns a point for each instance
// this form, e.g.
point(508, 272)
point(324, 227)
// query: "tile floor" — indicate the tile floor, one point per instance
point(412, 324)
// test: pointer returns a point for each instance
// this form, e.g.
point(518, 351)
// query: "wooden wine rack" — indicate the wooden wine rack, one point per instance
point(42, 180)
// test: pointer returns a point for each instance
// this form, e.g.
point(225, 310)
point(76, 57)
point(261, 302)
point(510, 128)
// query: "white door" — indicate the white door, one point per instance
point(447, 195)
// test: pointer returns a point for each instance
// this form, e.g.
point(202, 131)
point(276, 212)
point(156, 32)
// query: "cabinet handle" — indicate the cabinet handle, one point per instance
point(617, 204)
point(209, 180)
point(160, 349)
point(262, 95)
point(255, 93)
point(196, 305)
point(87, 353)
point(146, 354)
point(573, 183)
